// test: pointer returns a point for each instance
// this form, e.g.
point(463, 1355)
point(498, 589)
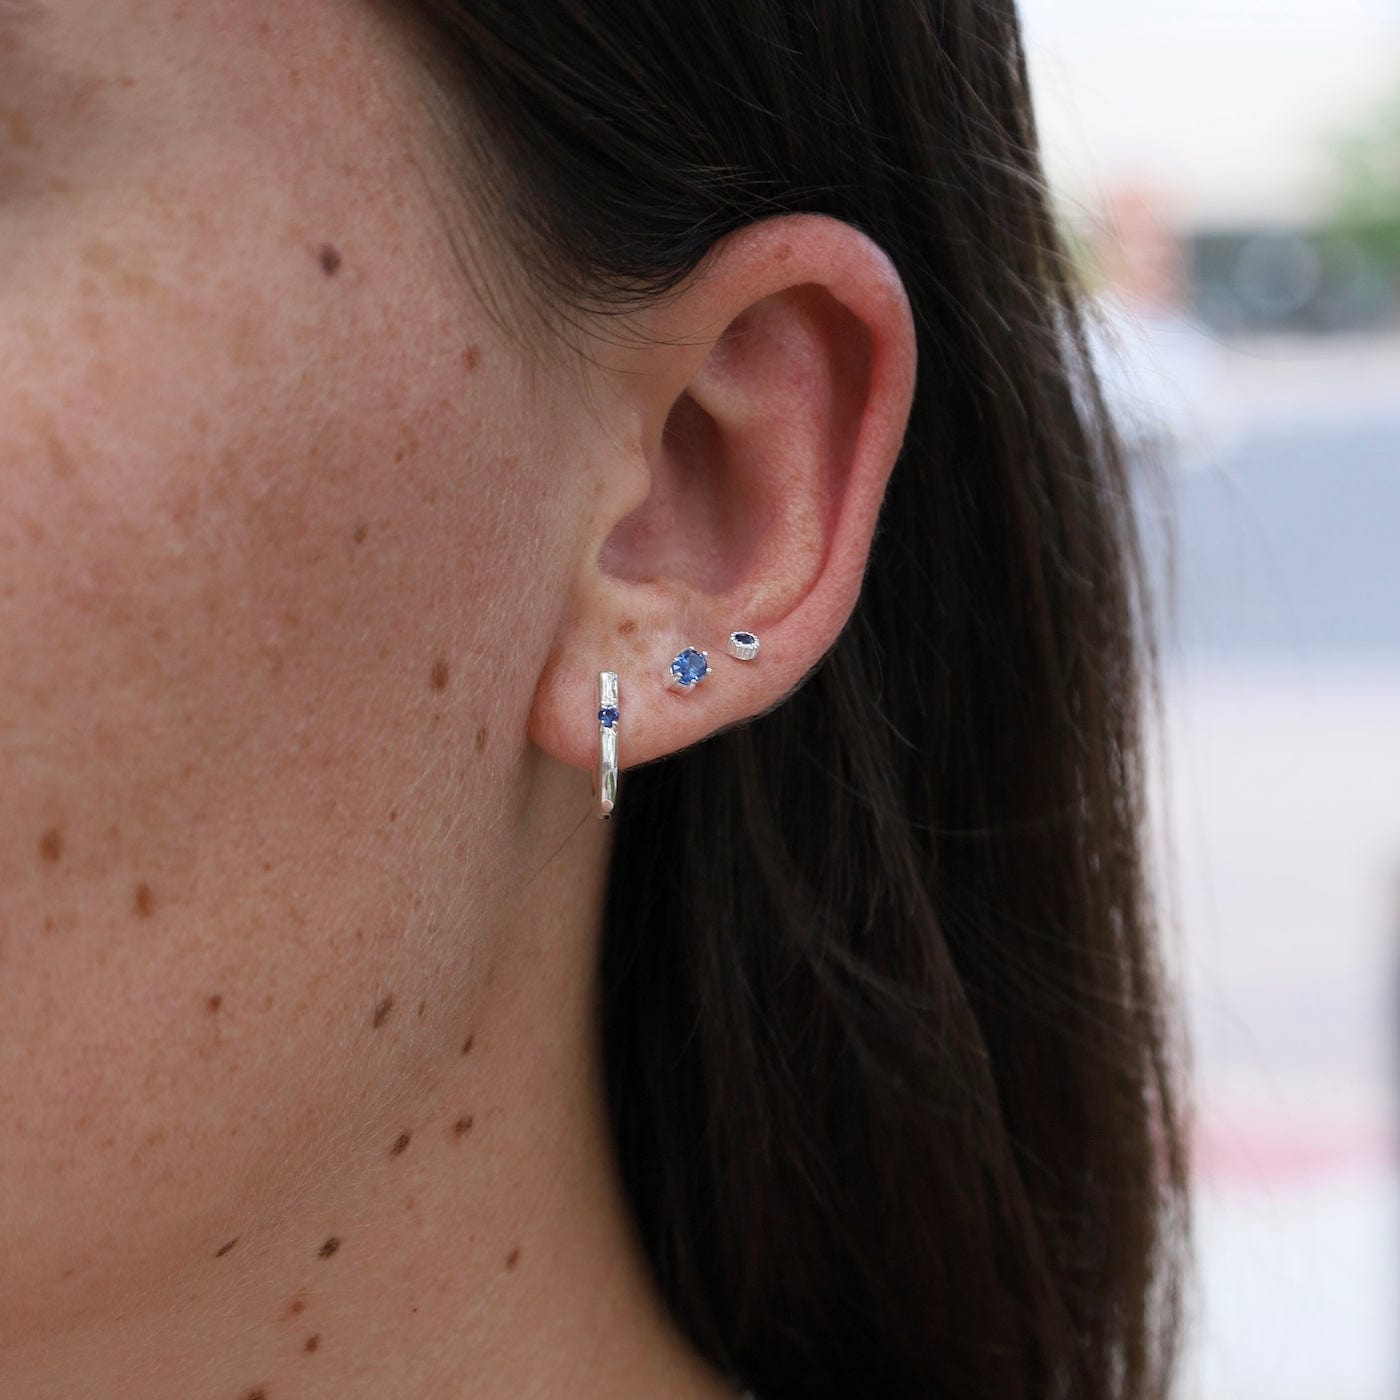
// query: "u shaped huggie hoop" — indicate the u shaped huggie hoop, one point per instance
point(606, 786)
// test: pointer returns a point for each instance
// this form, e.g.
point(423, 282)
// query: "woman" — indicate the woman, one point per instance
point(377, 378)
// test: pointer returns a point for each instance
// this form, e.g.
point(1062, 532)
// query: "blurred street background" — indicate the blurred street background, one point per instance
point(1229, 172)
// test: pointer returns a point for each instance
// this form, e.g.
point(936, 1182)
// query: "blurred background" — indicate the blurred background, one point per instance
point(1229, 172)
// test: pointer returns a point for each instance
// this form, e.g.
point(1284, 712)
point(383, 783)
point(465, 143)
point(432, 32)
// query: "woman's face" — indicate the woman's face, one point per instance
point(274, 525)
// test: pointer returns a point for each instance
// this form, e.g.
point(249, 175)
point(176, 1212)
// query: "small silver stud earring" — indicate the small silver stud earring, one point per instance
point(743, 645)
point(606, 785)
point(688, 669)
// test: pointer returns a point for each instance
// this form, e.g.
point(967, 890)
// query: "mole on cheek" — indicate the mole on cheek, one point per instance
point(513, 1258)
point(467, 1044)
point(329, 1248)
point(360, 531)
point(440, 674)
point(627, 628)
point(313, 1341)
point(329, 259)
point(214, 1003)
point(381, 1011)
point(462, 1126)
point(143, 901)
point(400, 1143)
point(51, 845)
point(482, 735)
point(224, 1248)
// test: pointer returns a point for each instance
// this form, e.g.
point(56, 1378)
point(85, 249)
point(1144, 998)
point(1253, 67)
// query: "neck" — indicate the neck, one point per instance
point(491, 1254)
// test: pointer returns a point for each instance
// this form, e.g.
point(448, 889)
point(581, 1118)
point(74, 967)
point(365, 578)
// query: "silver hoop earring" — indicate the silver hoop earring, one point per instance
point(606, 787)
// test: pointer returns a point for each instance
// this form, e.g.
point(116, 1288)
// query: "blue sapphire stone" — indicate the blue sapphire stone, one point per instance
point(607, 717)
point(745, 639)
point(689, 667)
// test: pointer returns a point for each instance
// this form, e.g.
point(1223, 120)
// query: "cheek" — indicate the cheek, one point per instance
point(265, 610)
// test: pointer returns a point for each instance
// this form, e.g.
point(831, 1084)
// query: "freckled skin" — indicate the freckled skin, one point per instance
point(198, 414)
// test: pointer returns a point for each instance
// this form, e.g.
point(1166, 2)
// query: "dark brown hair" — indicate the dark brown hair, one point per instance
point(887, 1057)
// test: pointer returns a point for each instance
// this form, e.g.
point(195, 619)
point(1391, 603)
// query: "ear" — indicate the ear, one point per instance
point(760, 410)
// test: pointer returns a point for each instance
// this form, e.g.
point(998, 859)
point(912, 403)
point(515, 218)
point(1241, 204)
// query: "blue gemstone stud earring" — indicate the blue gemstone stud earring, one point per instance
point(688, 669)
point(606, 786)
point(744, 645)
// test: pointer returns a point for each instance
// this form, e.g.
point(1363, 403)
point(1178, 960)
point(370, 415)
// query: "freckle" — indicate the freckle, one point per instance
point(49, 924)
point(330, 260)
point(155, 1137)
point(214, 1002)
point(784, 252)
point(21, 134)
point(359, 935)
point(61, 461)
point(296, 1305)
point(422, 1007)
point(482, 735)
point(467, 1044)
point(400, 1143)
point(313, 1341)
point(329, 1248)
point(143, 901)
point(462, 1126)
point(224, 1248)
point(51, 844)
point(59, 185)
point(627, 628)
point(440, 674)
point(258, 1394)
point(513, 1258)
point(361, 530)
point(126, 80)
point(471, 357)
point(393, 814)
point(381, 1011)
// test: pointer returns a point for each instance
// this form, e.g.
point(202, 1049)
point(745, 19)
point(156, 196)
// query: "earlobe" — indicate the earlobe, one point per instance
point(768, 401)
